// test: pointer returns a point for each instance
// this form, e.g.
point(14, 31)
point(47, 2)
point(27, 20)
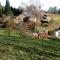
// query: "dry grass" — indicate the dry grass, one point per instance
point(55, 23)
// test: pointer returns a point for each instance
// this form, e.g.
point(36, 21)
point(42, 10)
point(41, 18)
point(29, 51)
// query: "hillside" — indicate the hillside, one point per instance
point(53, 24)
point(56, 21)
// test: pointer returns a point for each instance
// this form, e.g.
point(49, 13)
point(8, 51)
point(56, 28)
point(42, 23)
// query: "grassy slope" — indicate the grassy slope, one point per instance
point(56, 17)
point(26, 48)
point(56, 22)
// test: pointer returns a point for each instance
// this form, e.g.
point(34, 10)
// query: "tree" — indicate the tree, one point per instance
point(58, 11)
point(8, 8)
point(1, 12)
point(32, 10)
point(52, 10)
point(16, 11)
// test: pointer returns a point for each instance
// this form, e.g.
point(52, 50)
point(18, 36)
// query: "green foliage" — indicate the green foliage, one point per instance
point(26, 48)
point(52, 10)
point(1, 12)
point(16, 12)
point(7, 8)
point(55, 9)
point(59, 11)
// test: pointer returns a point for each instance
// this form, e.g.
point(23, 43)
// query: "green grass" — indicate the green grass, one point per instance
point(26, 48)
point(6, 32)
point(15, 48)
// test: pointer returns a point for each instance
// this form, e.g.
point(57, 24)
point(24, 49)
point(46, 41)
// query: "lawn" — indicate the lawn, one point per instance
point(5, 32)
point(27, 48)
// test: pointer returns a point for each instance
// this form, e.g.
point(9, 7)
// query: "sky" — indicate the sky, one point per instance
point(45, 4)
